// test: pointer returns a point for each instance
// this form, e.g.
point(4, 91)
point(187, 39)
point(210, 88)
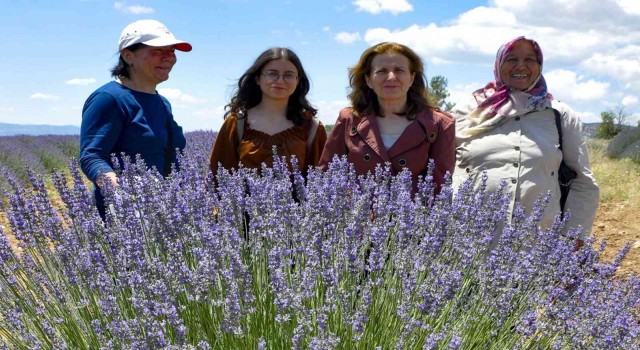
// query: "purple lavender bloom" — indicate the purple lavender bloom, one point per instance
point(455, 342)
point(274, 259)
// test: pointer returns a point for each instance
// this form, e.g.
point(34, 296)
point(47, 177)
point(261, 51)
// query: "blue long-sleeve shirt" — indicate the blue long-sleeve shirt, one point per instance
point(116, 119)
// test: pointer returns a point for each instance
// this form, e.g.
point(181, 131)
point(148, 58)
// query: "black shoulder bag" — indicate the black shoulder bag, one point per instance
point(565, 173)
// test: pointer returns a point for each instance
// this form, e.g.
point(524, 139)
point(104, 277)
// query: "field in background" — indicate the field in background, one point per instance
point(618, 219)
point(41, 154)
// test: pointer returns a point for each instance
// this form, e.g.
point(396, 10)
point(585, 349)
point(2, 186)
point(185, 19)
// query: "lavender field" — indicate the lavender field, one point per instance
point(345, 263)
point(42, 154)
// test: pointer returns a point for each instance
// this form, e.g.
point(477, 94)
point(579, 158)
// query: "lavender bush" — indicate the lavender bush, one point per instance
point(267, 260)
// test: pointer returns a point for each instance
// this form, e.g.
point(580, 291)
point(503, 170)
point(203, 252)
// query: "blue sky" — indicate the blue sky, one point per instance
point(56, 53)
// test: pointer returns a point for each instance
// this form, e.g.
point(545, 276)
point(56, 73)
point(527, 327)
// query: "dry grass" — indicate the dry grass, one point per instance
point(619, 179)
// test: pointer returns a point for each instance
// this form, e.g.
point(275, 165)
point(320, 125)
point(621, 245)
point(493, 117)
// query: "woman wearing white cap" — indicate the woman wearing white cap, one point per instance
point(128, 116)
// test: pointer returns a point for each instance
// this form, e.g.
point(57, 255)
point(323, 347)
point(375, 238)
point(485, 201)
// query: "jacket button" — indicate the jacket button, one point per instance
point(468, 170)
point(517, 118)
point(367, 157)
point(553, 173)
point(515, 165)
point(402, 162)
point(513, 181)
point(517, 148)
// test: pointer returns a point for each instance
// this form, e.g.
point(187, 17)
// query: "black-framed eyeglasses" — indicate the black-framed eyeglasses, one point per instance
point(273, 76)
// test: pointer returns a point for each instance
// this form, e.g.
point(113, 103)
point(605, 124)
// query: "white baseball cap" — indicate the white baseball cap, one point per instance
point(152, 33)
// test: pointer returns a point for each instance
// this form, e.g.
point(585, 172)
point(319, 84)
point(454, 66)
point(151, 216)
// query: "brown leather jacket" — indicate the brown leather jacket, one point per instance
point(430, 136)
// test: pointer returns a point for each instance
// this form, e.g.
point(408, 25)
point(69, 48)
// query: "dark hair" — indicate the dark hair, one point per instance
point(121, 69)
point(248, 94)
point(363, 98)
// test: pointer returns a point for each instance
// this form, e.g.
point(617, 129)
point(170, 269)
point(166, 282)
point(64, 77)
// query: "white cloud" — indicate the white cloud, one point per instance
point(80, 81)
point(573, 15)
point(567, 86)
point(630, 6)
point(41, 96)
point(471, 38)
point(211, 113)
point(624, 68)
point(326, 29)
point(457, 43)
point(328, 110)
point(461, 94)
point(589, 117)
point(6, 109)
point(177, 96)
point(347, 38)
point(377, 6)
point(629, 100)
point(205, 119)
point(133, 9)
point(487, 16)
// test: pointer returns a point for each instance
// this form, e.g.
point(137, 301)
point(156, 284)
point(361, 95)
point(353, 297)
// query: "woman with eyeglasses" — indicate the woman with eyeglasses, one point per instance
point(391, 119)
point(270, 108)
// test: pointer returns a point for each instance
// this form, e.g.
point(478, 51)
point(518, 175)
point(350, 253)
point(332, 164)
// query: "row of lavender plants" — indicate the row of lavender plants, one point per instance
point(46, 154)
point(42, 154)
point(270, 260)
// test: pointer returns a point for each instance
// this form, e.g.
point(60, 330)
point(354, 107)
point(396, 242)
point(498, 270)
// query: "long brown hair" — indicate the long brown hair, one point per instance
point(248, 94)
point(363, 98)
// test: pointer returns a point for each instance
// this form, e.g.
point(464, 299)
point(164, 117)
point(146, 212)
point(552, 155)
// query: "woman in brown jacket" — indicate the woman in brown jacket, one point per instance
point(390, 118)
point(270, 108)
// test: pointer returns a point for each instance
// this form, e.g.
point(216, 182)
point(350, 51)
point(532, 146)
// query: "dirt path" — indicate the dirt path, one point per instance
point(619, 223)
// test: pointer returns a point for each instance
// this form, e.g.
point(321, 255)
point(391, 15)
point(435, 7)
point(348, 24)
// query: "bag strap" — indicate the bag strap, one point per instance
point(312, 132)
point(558, 126)
point(240, 118)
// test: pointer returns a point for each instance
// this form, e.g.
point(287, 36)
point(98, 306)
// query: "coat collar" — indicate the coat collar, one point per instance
point(412, 136)
point(369, 131)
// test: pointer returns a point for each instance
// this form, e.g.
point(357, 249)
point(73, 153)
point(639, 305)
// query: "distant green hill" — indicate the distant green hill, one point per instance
point(26, 129)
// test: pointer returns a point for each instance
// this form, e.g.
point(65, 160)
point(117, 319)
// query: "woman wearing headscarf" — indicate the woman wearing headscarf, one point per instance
point(508, 130)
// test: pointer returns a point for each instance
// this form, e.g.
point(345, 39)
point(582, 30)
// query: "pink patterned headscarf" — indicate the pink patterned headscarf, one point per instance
point(498, 102)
